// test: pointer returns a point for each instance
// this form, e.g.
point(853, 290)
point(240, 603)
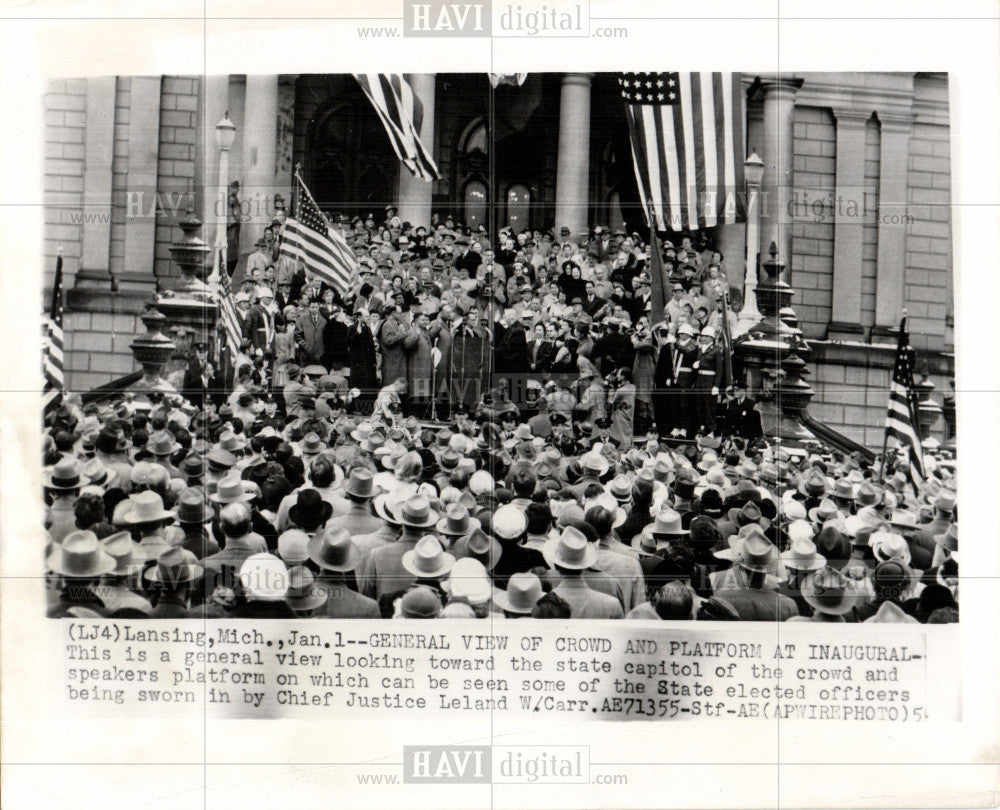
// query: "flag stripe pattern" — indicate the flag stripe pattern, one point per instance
point(52, 347)
point(401, 113)
point(230, 318)
point(901, 418)
point(688, 148)
point(309, 236)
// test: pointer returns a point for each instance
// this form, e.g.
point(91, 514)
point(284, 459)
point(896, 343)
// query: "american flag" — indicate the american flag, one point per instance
point(687, 146)
point(230, 318)
point(901, 418)
point(309, 236)
point(52, 347)
point(402, 114)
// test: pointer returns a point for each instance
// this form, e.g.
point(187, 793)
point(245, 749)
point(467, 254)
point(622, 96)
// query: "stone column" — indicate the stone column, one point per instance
point(414, 193)
point(892, 197)
point(573, 165)
point(779, 116)
point(260, 133)
point(215, 106)
point(848, 227)
point(140, 183)
point(98, 148)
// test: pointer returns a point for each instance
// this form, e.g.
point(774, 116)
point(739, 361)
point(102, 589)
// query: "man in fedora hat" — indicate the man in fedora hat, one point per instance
point(174, 578)
point(830, 595)
point(944, 511)
point(194, 514)
point(337, 557)
point(570, 554)
point(78, 562)
point(119, 587)
point(145, 516)
point(800, 560)
point(384, 572)
point(523, 593)
point(62, 484)
point(359, 490)
point(233, 489)
point(757, 558)
point(304, 596)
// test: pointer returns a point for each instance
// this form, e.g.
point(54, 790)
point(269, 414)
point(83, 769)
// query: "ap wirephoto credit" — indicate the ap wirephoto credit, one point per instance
point(641, 346)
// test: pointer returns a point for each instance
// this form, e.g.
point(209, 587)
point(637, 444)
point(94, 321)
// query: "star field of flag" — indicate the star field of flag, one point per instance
point(650, 88)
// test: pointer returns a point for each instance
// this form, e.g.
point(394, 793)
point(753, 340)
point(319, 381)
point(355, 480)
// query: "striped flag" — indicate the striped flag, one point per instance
point(687, 146)
point(52, 347)
point(901, 419)
point(310, 237)
point(402, 113)
point(231, 322)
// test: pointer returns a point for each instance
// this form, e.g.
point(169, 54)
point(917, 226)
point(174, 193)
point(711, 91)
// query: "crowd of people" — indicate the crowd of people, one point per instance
point(480, 430)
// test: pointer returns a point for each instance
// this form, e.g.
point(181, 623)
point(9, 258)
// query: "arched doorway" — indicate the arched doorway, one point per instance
point(349, 166)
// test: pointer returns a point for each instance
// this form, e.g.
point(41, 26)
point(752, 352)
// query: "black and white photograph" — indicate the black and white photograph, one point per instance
point(499, 405)
point(645, 345)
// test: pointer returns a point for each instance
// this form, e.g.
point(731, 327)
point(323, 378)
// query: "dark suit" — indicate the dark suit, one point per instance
point(310, 338)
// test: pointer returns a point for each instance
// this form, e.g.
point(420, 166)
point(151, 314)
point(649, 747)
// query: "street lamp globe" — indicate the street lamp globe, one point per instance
point(225, 133)
point(753, 170)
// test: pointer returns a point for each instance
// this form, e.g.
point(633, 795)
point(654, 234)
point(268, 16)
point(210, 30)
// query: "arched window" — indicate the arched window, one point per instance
point(518, 207)
point(474, 203)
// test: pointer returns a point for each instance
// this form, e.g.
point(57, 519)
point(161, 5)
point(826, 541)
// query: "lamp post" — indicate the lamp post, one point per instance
point(753, 170)
point(225, 134)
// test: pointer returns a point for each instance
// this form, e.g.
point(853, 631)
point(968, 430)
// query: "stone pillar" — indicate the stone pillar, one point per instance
point(414, 193)
point(260, 133)
point(848, 228)
point(731, 241)
point(215, 106)
point(140, 184)
point(98, 149)
point(892, 197)
point(779, 116)
point(573, 165)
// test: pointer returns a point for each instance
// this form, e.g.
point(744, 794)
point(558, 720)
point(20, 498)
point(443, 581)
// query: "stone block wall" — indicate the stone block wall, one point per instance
point(97, 347)
point(65, 105)
point(851, 392)
point(814, 164)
